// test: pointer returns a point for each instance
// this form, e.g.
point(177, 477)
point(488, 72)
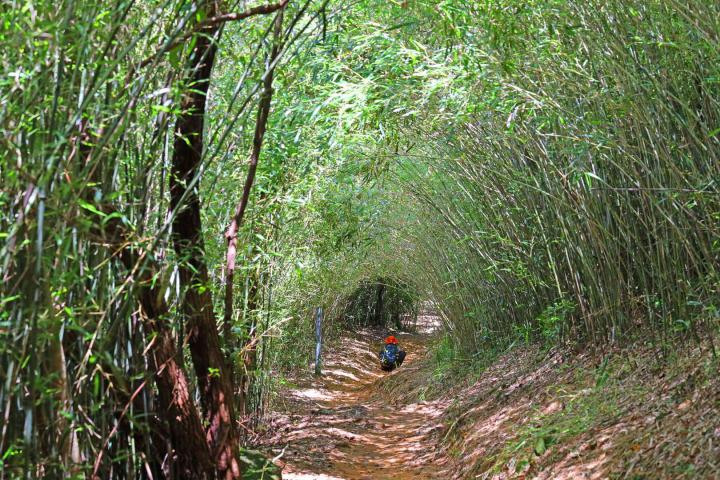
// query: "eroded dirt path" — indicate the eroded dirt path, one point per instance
point(530, 413)
point(346, 424)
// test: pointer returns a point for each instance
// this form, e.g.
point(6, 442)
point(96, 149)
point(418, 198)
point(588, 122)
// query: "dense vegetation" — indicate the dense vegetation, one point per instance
point(183, 182)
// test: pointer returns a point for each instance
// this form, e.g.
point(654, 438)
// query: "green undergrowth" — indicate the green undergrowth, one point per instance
point(257, 466)
point(451, 367)
point(604, 394)
point(579, 411)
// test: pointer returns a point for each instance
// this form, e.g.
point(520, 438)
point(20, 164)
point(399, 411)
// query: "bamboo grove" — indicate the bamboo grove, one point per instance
point(105, 124)
point(183, 182)
point(584, 207)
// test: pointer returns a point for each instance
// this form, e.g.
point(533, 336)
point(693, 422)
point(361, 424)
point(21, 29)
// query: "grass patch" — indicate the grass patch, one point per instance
point(256, 466)
point(452, 367)
point(580, 411)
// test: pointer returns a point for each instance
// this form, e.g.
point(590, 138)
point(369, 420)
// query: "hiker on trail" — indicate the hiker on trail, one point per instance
point(391, 356)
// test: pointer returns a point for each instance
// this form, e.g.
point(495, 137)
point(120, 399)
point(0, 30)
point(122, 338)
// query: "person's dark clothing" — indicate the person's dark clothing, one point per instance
point(391, 357)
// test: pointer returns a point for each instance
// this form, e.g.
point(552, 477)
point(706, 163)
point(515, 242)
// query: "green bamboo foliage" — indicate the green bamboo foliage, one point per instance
point(89, 94)
point(539, 170)
point(70, 333)
point(584, 205)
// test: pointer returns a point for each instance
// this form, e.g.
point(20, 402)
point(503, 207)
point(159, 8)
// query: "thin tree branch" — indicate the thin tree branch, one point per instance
point(260, 126)
point(231, 17)
point(213, 22)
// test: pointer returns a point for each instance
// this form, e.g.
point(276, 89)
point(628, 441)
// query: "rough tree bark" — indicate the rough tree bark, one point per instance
point(214, 381)
point(191, 454)
point(197, 306)
point(194, 459)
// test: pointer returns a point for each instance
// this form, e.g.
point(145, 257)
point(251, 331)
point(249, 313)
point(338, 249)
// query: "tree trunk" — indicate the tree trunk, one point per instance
point(191, 455)
point(379, 304)
point(216, 392)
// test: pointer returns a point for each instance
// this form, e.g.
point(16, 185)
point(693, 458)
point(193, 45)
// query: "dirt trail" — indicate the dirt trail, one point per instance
point(344, 425)
point(531, 413)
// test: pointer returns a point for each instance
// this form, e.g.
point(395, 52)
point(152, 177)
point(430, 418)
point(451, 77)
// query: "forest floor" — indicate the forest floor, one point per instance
point(623, 414)
point(346, 424)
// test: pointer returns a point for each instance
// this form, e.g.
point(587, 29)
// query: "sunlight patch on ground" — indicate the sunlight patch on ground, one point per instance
point(309, 476)
point(346, 426)
point(311, 394)
point(341, 373)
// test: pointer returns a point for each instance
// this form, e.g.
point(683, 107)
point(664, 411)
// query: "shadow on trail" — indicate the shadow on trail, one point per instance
point(346, 425)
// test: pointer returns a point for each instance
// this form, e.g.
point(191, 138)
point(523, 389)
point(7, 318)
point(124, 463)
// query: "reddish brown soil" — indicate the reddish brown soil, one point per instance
point(346, 425)
point(625, 414)
point(531, 414)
